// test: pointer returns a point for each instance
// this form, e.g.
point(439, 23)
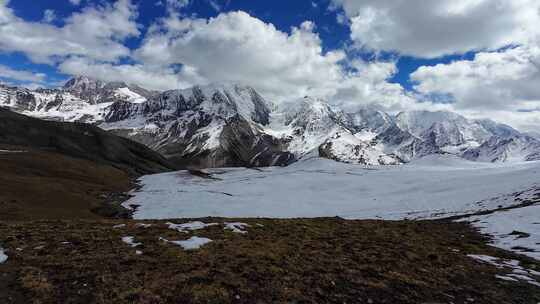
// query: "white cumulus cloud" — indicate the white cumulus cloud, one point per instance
point(8, 73)
point(96, 32)
point(436, 28)
point(237, 47)
point(161, 78)
point(504, 82)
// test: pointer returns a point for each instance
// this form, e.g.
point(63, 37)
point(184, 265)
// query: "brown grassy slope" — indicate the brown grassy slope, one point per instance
point(47, 185)
point(81, 141)
point(284, 261)
point(68, 169)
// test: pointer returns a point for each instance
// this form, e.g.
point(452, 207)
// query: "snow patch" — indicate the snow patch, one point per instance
point(142, 225)
point(516, 229)
point(130, 95)
point(518, 273)
point(236, 227)
point(506, 278)
point(3, 256)
point(192, 243)
point(365, 135)
point(130, 240)
point(191, 226)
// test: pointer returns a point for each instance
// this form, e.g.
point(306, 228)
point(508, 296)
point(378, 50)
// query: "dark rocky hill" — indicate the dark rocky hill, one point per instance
point(80, 141)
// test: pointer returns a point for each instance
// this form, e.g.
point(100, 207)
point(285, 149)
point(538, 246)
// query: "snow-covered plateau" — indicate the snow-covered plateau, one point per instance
point(433, 187)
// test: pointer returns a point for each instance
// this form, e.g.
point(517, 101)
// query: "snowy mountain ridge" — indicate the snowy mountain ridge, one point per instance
point(81, 99)
point(233, 125)
point(215, 125)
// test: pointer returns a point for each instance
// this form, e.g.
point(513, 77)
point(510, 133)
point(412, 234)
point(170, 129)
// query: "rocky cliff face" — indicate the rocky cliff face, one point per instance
point(95, 92)
point(248, 144)
point(311, 125)
point(211, 126)
point(19, 99)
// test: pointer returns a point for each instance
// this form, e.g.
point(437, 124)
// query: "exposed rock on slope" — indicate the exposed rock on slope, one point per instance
point(212, 126)
point(501, 149)
point(247, 144)
point(347, 148)
point(313, 125)
point(95, 91)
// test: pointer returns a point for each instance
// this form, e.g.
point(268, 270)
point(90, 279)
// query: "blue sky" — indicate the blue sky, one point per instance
point(283, 14)
point(441, 55)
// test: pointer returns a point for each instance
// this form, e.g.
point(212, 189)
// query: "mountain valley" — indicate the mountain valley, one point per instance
point(214, 194)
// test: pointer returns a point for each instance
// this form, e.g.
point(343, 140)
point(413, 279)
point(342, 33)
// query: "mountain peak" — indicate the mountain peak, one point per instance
point(82, 84)
point(307, 104)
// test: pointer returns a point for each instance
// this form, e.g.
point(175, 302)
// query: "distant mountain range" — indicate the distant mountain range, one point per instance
point(81, 99)
point(233, 125)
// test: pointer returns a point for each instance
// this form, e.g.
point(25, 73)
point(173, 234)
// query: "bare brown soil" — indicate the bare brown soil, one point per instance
point(35, 184)
point(283, 261)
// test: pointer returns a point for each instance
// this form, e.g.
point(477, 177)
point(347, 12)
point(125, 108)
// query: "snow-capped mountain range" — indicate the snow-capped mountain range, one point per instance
point(233, 125)
point(81, 99)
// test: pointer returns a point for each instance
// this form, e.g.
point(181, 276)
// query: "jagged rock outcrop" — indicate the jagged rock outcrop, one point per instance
point(94, 91)
point(313, 125)
point(247, 144)
point(211, 126)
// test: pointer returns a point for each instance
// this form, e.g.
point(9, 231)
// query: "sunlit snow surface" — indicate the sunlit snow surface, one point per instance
point(516, 229)
point(192, 243)
point(433, 187)
point(11, 151)
point(186, 227)
point(518, 272)
point(3, 256)
point(130, 240)
point(129, 95)
point(428, 188)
